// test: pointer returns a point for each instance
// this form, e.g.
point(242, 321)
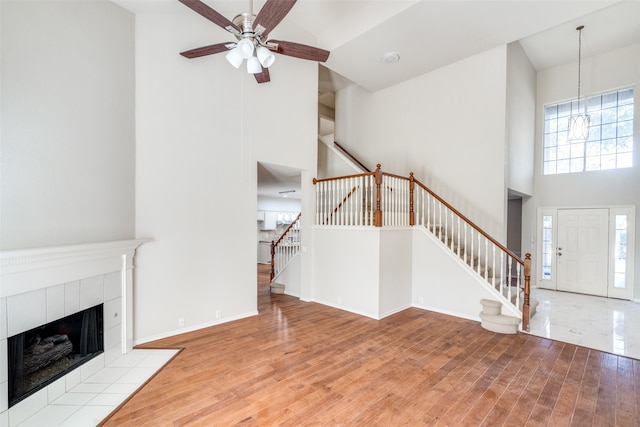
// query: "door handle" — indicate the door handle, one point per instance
point(559, 253)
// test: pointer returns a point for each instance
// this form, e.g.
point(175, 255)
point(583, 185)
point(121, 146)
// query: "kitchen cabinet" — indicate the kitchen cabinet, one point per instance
point(260, 215)
point(270, 220)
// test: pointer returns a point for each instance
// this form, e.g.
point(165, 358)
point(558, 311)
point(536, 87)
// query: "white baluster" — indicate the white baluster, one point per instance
point(518, 272)
point(317, 216)
point(452, 227)
point(337, 209)
point(466, 249)
point(493, 268)
point(359, 201)
point(365, 188)
point(349, 202)
point(502, 281)
point(429, 212)
point(479, 253)
point(439, 220)
point(323, 195)
point(458, 230)
point(486, 258)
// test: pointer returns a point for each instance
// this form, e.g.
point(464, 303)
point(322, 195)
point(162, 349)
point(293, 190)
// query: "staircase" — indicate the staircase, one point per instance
point(386, 200)
point(508, 289)
point(282, 252)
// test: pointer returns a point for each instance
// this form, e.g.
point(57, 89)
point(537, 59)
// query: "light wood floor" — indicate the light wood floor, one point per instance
point(307, 364)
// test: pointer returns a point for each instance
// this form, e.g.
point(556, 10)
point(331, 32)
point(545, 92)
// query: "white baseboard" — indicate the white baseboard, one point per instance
point(192, 328)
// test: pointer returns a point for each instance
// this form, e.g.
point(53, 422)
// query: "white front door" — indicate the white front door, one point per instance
point(582, 251)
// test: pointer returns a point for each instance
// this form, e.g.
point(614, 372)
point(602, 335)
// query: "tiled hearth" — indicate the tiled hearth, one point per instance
point(94, 396)
point(45, 284)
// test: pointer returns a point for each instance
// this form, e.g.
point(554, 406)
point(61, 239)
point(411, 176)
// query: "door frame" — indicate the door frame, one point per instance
point(549, 282)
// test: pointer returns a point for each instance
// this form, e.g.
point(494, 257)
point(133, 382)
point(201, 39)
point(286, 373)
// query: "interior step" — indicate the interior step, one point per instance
point(277, 288)
point(493, 320)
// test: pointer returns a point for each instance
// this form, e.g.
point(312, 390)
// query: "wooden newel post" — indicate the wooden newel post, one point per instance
point(377, 219)
point(272, 274)
point(527, 292)
point(412, 216)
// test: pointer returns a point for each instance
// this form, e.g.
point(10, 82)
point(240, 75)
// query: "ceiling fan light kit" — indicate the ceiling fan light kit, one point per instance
point(245, 47)
point(234, 57)
point(265, 56)
point(253, 65)
point(251, 31)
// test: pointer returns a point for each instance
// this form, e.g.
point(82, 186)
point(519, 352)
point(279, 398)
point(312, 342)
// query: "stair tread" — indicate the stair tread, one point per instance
point(490, 303)
point(502, 319)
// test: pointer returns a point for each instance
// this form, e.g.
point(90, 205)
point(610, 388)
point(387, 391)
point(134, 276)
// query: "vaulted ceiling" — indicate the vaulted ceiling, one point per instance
point(429, 34)
point(426, 34)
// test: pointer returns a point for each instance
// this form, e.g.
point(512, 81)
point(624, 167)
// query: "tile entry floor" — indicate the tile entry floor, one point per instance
point(605, 324)
point(88, 403)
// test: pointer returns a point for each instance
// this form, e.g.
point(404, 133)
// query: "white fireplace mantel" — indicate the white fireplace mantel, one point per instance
point(61, 280)
point(25, 270)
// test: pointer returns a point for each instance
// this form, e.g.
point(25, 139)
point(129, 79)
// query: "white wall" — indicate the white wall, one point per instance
point(395, 270)
point(520, 122)
point(600, 73)
point(332, 164)
point(520, 119)
point(202, 126)
point(447, 126)
point(68, 143)
point(352, 281)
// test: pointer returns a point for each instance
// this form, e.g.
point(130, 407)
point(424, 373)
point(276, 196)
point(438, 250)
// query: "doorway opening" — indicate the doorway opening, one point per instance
point(278, 206)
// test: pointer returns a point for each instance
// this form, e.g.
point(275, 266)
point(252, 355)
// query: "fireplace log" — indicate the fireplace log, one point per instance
point(47, 351)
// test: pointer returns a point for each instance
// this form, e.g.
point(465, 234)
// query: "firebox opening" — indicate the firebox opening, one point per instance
point(42, 355)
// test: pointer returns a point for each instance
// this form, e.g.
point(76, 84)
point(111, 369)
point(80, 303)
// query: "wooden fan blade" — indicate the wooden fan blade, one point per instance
point(301, 51)
point(272, 13)
point(209, 13)
point(263, 77)
point(205, 50)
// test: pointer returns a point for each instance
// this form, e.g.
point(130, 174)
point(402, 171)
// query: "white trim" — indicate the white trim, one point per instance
point(193, 328)
point(627, 291)
point(546, 283)
point(26, 270)
point(448, 312)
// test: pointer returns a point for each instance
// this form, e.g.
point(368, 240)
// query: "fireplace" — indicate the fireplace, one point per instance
point(44, 286)
point(41, 355)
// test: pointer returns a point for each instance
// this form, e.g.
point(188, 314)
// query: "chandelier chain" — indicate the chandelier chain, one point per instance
point(579, 60)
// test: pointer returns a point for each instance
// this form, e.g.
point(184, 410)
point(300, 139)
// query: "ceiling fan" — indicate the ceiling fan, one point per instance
point(251, 31)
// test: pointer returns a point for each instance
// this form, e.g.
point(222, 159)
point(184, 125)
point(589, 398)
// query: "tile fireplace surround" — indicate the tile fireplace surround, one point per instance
point(41, 285)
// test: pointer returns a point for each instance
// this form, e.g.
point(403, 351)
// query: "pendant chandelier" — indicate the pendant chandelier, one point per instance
point(579, 123)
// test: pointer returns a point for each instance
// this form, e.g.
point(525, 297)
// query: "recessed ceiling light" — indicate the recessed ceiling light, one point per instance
point(391, 57)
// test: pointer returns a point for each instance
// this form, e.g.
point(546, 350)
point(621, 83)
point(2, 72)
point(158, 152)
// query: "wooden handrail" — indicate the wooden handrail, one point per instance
point(288, 228)
point(394, 175)
point(337, 178)
point(352, 157)
point(471, 223)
